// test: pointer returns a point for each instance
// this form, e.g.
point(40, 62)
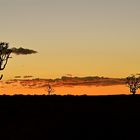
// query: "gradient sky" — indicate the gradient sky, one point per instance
point(79, 37)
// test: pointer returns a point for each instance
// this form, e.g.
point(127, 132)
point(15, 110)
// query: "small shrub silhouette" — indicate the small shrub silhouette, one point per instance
point(133, 82)
point(50, 89)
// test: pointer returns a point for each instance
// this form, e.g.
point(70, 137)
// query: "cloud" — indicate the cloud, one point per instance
point(70, 75)
point(27, 76)
point(91, 80)
point(22, 51)
point(17, 77)
point(69, 81)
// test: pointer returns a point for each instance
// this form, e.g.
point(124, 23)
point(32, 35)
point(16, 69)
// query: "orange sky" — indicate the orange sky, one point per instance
point(16, 88)
point(78, 37)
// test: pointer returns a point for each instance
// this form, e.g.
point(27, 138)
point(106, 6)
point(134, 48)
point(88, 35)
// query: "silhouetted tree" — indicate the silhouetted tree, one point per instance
point(4, 55)
point(133, 83)
point(50, 89)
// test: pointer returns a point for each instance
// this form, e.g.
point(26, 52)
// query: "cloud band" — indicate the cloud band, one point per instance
point(22, 51)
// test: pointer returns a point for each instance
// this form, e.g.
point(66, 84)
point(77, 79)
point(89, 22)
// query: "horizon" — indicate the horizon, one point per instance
point(65, 86)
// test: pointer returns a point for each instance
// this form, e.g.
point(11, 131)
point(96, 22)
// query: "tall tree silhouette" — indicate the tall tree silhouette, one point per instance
point(4, 55)
point(133, 83)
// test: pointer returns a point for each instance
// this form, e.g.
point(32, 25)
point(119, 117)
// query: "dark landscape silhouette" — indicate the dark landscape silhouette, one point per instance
point(70, 117)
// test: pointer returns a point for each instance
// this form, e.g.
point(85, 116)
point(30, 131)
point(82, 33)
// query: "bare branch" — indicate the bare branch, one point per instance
point(4, 55)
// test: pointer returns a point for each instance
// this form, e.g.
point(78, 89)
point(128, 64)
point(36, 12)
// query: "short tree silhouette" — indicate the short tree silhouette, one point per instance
point(50, 89)
point(4, 55)
point(133, 82)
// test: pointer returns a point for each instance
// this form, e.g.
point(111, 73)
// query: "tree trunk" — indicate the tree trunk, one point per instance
point(134, 92)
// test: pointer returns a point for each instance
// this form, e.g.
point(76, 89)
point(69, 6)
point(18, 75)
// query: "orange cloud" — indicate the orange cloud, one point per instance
point(68, 81)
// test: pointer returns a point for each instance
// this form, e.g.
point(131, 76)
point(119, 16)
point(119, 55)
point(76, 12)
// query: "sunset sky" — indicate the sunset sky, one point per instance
point(78, 37)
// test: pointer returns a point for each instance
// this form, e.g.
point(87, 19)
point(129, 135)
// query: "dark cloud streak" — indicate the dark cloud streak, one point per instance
point(22, 51)
point(27, 76)
point(17, 77)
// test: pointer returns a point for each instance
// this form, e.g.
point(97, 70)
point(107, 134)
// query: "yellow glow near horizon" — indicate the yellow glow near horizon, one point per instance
point(66, 90)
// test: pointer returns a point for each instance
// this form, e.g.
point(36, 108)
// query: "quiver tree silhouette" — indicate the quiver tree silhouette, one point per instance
point(4, 55)
point(133, 83)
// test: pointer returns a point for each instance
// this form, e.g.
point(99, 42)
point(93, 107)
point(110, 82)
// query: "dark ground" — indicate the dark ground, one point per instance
point(70, 117)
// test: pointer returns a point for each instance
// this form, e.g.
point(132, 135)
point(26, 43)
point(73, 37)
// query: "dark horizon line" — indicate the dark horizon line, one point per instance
point(63, 77)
